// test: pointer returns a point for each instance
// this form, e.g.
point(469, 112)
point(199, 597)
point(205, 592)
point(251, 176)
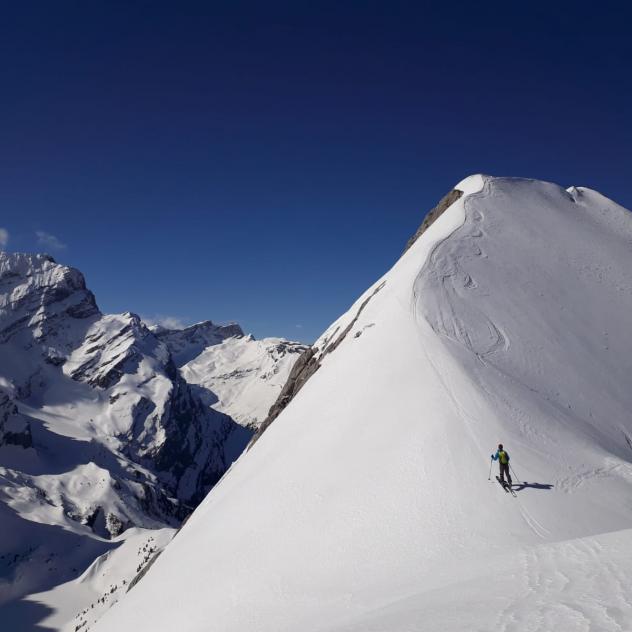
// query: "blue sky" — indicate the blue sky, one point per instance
point(266, 162)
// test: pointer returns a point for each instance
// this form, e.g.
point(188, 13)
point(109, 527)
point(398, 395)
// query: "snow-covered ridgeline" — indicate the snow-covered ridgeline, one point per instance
point(365, 504)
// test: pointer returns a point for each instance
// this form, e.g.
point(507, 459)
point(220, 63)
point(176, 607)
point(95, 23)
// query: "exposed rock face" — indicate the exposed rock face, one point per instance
point(308, 363)
point(14, 429)
point(445, 202)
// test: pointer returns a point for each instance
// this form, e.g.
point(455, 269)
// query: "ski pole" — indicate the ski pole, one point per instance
point(491, 462)
point(514, 473)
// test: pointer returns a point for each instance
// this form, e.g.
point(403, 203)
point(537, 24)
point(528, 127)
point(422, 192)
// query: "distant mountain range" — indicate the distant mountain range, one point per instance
point(108, 425)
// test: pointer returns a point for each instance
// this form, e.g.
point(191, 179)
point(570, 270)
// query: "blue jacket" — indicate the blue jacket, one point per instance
point(497, 455)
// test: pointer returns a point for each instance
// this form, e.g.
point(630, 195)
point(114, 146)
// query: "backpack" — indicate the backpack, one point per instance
point(503, 456)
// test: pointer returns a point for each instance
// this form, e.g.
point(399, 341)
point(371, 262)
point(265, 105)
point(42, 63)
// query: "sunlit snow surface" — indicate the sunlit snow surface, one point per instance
point(366, 506)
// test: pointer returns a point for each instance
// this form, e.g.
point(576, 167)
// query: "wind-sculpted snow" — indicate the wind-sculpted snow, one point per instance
point(552, 349)
point(366, 505)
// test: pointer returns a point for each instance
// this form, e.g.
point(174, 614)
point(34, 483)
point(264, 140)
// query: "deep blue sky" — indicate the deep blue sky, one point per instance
point(266, 162)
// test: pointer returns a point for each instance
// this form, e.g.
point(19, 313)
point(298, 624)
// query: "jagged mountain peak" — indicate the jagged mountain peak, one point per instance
point(38, 271)
point(187, 343)
point(36, 292)
point(24, 260)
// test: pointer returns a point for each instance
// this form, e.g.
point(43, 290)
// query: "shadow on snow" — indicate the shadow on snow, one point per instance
point(518, 487)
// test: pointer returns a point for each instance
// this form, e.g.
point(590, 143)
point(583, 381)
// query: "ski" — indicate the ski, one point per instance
point(502, 484)
point(506, 487)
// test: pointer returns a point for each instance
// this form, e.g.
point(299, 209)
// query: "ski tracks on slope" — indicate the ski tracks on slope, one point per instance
point(444, 284)
point(537, 527)
point(480, 335)
point(445, 275)
point(570, 484)
point(575, 585)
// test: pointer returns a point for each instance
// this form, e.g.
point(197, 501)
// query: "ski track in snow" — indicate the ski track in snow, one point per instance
point(480, 335)
point(553, 577)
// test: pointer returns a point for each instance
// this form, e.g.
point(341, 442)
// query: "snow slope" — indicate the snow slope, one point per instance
point(78, 604)
point(366, 505)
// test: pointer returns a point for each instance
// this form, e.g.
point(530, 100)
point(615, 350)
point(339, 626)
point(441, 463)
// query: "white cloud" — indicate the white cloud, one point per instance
point(49, 241)
point(168, 322)
point(4, 237)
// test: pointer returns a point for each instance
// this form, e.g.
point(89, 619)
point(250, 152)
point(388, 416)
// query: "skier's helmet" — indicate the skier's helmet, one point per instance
point(500, 446)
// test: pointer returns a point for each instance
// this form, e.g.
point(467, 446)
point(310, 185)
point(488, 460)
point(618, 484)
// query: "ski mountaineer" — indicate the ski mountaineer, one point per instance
point(502, 456)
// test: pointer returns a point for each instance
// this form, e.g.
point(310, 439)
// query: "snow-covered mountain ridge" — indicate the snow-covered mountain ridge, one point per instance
point(100, 432)
point(366, 506)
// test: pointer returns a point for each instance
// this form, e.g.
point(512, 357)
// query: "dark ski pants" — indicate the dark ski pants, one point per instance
point(504, 469)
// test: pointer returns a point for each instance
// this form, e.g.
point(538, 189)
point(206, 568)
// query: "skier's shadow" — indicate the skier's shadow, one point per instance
point(518, 487)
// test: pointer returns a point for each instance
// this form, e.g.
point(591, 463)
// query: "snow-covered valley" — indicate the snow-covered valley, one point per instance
point(105, 446)
point(369, 503)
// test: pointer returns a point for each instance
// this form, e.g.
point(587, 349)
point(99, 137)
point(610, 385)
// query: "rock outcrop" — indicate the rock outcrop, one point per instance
point(14, 428)
point(444, 203)
point(311, 359)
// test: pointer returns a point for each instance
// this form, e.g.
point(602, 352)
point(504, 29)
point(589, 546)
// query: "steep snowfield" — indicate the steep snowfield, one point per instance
point(79, 603)
point(366, 505)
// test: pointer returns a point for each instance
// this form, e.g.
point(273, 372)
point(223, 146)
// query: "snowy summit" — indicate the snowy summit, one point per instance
point(369, 503)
